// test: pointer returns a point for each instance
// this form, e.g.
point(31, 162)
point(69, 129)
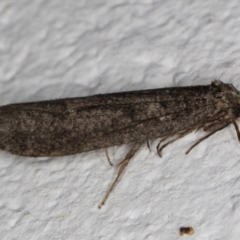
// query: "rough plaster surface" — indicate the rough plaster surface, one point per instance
point(56, 49)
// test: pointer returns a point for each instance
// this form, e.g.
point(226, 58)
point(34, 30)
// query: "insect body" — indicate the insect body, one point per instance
point(70, 126)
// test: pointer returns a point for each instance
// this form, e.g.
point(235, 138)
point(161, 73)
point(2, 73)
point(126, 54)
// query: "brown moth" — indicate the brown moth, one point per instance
point(70, 126)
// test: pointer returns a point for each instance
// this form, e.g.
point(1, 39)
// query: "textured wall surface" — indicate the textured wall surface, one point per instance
point(56, 49)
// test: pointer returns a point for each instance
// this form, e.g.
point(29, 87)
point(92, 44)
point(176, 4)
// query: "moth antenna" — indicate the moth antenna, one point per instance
point(123, 164)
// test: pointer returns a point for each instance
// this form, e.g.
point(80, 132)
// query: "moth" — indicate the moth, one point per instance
point(70, 126)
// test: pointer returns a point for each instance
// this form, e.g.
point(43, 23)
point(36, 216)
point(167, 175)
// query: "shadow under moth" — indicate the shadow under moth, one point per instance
point(70, 126)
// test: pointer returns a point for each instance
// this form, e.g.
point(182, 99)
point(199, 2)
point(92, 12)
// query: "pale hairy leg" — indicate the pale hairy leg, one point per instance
point(122, 165)
point(221, 126)
point(108, 158)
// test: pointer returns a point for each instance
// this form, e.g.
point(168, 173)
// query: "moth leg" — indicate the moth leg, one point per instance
point(236, 128)
point(209, 127)
point(161, 141)
point(108, 158)
point(123, 164)
point(159, 149)
point(212, 126)
point(217, 116)
point(221, 125)
point(180, 135)
point(213, 122)
point(148, 145)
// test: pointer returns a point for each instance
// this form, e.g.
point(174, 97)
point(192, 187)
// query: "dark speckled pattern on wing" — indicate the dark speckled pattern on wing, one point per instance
point(70, 126)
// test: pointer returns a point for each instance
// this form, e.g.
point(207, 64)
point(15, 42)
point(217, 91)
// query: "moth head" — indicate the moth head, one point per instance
point(229, 94)
point(224, 87)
